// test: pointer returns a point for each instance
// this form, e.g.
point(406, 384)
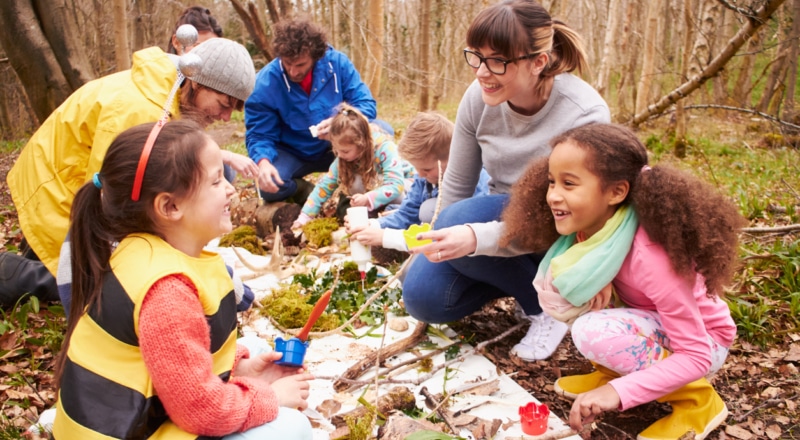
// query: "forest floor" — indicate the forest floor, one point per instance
point(760, 385)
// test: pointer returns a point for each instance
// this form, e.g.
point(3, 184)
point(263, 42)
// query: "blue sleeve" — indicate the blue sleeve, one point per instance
point(354, 91)
point(408, 212)
point(261, 119)
point(482, 188)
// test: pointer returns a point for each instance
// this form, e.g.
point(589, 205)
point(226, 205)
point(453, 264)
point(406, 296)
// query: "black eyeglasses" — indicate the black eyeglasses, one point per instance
point(495, 65)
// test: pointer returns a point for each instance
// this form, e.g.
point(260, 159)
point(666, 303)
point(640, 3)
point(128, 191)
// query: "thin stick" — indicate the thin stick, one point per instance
point(258, 191)
point(439, 196)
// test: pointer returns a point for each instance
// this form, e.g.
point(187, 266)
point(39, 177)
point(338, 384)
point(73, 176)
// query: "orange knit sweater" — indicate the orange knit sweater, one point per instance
point(175, 342)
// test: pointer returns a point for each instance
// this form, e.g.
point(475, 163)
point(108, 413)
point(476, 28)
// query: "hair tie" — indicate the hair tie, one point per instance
point(96, 181)
point(346, 112)
point(646, 168)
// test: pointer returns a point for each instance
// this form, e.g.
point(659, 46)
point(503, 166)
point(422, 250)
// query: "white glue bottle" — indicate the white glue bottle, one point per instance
point(358, 216)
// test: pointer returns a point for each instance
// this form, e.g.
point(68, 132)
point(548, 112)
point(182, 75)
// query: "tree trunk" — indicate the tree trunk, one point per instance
point(751, 25)
point(254, 27)
point(121, 46)
point(375, 38)
point(775, 81)
point(743, 87)
point(32, 57)
point(649, 55)
point(791, 76)
point(628, 47)
point(61, 33)
point(612, 25)
point(680, 112)
point(424, 54)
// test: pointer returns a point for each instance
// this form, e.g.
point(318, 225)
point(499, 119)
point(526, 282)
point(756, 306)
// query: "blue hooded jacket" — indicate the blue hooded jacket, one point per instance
point(279, 111)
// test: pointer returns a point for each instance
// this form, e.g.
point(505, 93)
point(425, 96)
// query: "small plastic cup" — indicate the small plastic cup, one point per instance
point(410, 235)
point(534, 417)
point(293, 351)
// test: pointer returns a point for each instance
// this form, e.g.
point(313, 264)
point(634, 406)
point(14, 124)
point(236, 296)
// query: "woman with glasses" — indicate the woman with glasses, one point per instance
point(522, 96)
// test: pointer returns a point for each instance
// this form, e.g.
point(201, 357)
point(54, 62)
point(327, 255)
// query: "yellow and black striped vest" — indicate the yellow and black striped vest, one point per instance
point(106, 391)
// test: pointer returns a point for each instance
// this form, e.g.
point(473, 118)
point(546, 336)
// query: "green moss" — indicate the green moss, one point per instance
point(290, 308)
point(243, 237)
point(319, 231)
point(350, 272)
point(361, 428)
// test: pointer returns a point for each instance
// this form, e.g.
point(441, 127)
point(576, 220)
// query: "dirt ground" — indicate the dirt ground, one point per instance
point(760, 385)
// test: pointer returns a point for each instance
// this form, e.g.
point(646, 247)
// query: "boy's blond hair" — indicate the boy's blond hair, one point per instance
point(428, 134)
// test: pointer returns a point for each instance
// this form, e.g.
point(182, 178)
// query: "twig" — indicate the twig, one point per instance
point(766, 404)
point(437, 407)
point(438, 196)
point(790, 187)
point(358, 369)
point(356, 383)
point(765, 230)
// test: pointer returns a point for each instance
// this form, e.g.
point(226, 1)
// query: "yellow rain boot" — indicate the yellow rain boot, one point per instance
point(695, 407)
point(571, 386)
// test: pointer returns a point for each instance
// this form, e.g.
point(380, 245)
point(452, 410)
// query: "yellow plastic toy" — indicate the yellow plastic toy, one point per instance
point(411, 233)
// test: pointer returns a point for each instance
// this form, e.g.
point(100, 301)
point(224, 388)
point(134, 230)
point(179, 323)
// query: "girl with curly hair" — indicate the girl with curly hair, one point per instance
point(658, 240)
point(367, 167)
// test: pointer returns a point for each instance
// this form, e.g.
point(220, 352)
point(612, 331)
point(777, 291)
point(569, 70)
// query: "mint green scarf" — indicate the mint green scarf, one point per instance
point(581, 270)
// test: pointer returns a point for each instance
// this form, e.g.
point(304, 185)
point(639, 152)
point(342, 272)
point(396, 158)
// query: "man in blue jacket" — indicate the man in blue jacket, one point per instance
point(288, 115)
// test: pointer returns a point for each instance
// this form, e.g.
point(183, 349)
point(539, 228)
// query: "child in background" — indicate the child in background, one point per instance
point(366, 167)
point(667, 244)
point(426, 146)
point(150, 349)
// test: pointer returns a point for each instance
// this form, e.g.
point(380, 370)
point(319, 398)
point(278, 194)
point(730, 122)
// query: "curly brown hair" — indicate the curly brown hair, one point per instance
point(294, 38)
point(351, 126)
point(695, 224)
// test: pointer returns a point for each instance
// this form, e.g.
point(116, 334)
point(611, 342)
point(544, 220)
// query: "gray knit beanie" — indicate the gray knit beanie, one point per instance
point(226, 67)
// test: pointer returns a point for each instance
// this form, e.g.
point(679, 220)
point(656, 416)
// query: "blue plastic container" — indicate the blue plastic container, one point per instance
point(293, 351)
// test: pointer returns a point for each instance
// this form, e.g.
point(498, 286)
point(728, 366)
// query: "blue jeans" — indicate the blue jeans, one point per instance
point(451, 290)
point(290, 166)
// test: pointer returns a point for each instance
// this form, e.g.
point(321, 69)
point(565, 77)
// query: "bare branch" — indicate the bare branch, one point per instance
point(732, 7)
point(735, 109)
point(750, 27)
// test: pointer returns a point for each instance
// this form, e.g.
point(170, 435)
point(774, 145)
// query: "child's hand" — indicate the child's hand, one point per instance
point(292, 391)
point(262, 366)
point(589, 405)
point(601, 300)
point(359, 200)
point(368, 235)
point(302, 219)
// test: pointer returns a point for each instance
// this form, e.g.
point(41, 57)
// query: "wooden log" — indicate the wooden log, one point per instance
point(363, 365)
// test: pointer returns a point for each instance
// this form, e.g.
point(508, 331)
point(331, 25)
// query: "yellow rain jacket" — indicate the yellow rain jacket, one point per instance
point(71, 144)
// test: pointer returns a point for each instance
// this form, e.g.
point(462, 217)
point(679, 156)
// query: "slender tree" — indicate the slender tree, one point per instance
point(424, 54)
point(122, 54)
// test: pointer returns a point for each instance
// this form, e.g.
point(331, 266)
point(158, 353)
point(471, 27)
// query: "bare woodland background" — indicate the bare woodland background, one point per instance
point(645, 56)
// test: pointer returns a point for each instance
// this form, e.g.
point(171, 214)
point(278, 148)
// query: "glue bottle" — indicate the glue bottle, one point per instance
point(359, 216)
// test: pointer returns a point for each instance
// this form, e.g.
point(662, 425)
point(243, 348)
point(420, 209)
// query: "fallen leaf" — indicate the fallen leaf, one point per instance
point(773, 432)
point(737, 431)
point(771, 392)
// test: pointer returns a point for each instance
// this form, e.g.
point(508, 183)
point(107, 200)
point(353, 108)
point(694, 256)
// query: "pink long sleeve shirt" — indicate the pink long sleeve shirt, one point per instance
point(647, 281)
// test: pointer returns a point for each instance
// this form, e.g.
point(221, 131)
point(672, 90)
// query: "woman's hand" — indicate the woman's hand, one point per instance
point(268, 177)
point(243, 165)
point(367, 235)
point(589, 405)
point(448, 243)
point(359, 200)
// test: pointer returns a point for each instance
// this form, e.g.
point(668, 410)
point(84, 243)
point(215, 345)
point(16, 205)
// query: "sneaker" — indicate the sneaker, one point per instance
point(544, 335)
point(45, 423)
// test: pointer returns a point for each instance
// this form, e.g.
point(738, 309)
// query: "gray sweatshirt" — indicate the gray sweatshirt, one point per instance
point(504, 142)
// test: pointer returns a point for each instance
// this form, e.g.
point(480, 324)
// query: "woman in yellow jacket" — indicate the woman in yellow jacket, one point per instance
point(70, 145)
